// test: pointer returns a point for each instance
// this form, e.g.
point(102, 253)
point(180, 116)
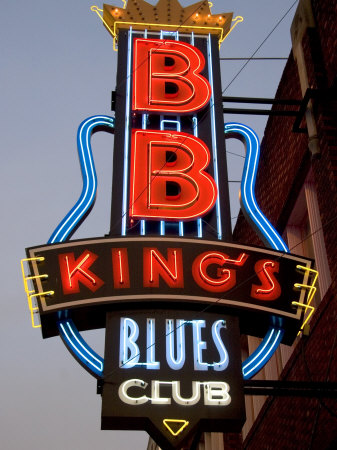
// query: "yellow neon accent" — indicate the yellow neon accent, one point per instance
point(97, 10)
point(31, 293)
point(37, 276)
point(183, 426)
point(235, 21)
point(35, 308)
point(164, 26)
point(311, 292)
point(306, 307)
point(27, 290)
point(114, 18)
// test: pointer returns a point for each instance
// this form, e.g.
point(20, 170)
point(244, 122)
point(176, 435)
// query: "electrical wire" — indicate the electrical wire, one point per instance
point(258, 48)
point(252, 59)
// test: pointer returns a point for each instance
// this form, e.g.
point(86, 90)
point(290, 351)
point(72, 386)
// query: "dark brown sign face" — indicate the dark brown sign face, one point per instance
point(171, 373)
point(94, 275)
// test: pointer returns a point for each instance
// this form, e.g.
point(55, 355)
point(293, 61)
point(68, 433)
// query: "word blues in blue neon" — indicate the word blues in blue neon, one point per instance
point(131, 352)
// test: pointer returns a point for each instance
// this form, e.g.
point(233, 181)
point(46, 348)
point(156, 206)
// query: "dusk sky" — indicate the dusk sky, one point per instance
point(58, 67)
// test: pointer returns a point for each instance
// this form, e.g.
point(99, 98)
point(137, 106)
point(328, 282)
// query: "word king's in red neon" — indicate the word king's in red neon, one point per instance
point(167, 178)
point(166, 77)
point(76, 271)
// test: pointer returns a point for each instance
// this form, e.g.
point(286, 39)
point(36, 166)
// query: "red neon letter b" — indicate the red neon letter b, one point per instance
point(167, 77)
point(162, 160)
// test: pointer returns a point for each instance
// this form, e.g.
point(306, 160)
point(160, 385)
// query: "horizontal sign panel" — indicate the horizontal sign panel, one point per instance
point(172, 373)
point(89, 276)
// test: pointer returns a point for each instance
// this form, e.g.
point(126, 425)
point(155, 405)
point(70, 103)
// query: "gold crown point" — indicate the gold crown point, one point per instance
point(166, 15)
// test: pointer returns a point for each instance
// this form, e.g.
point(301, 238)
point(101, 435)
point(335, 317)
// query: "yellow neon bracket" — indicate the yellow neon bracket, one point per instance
point(181, 423)
point(235, 21)
point(98, 11)
point(34, 309)
point(311, 288)
point(31, 292)
point(165, 26)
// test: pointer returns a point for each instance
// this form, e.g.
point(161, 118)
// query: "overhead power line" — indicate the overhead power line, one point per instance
point(258, 48)
point(254, 59)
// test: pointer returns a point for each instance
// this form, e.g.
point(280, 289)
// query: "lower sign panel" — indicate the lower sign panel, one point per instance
point(172, 374)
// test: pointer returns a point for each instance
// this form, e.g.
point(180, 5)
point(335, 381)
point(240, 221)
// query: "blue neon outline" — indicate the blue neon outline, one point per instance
point(214, 140)
point(77, 346)
point(264, 229)
point(86, 200)
point(247, 195)
point(67, 329)
point(126, 136)
point(263, 353)
point(195, 133)
point(144, 124)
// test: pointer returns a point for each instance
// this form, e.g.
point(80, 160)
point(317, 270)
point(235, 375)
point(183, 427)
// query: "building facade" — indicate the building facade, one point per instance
point(297, 190)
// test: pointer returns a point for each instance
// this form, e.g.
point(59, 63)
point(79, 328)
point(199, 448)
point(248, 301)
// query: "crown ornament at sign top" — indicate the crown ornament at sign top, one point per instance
point(167, 15)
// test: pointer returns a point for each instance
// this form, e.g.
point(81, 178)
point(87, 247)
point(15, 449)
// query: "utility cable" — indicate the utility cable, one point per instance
point(258, 48)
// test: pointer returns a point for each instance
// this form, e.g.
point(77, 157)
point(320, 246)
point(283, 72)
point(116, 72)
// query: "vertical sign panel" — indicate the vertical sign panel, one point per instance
point(172, 373)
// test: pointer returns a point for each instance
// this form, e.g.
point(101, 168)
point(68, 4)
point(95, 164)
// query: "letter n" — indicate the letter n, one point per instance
point(170, 268)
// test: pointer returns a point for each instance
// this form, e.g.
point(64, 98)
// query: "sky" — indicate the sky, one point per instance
point(58, 67)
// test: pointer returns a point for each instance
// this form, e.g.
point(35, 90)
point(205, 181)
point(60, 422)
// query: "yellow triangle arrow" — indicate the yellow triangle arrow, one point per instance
point(181, 424)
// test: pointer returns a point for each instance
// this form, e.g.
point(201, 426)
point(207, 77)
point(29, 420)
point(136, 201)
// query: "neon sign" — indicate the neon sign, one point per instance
point(170, 243)
point(192, 375)
point(103, 272)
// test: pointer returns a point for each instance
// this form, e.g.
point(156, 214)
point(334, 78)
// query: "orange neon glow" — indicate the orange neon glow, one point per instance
point(270, 288)
point(75, 271)
point(170, 269)
point(150, 173)
point(120, 266)
point(152, 75)
point(216, 278)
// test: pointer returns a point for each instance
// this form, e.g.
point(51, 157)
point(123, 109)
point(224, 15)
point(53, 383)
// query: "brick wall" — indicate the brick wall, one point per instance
point(301, 423)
